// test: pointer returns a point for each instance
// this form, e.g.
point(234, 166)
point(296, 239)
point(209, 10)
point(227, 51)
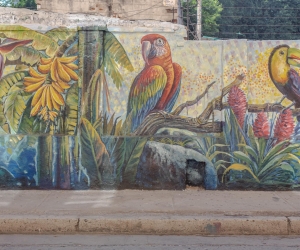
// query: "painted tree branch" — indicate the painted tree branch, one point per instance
point(156, 120)
point(182, 106)
point(216, 103)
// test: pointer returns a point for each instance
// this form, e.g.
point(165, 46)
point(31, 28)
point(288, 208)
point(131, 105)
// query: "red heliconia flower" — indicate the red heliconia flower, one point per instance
point(284, 126)
point(261, 126)
point(238, 103)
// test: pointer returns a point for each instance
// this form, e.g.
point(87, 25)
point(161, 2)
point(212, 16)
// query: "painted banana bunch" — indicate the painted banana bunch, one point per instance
point(52, 78)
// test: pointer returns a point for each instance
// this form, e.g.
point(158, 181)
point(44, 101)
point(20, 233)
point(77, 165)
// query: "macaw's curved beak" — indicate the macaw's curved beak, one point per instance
point(294, 57)
point(9, 44)
point(146, 48)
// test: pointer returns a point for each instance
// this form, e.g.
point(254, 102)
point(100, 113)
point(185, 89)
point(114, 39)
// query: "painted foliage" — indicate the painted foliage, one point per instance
point(89, 108)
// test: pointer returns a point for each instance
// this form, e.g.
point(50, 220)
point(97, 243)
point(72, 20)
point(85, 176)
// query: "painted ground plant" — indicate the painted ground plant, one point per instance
point(261, 152)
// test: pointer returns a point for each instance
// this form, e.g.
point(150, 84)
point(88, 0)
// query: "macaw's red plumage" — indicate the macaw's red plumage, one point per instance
point(157, 86)
point(7, 46)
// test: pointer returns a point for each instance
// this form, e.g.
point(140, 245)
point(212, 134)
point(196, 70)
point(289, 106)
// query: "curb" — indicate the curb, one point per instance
point(154, 225)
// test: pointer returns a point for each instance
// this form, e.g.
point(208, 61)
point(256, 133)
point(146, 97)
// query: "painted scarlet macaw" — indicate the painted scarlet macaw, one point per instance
point(157, 86)
point(7, 46)
point(286, 79)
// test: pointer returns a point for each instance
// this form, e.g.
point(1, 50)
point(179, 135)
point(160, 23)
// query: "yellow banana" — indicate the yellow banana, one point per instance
point(53, 70)
point(66, 60)
point(49, 99)
point(44, 69)
point(35, 74)
point(57, 96)
point(46, 60)
point(44, 96)
point(36, 108)
point(29, 83)
point(70, 72)
point(62, 84)
point(62, 73)
point(55, 104)
point(34, 87)
point(31, 80)
point(72, 66)
point(37, 96)
point(58, 88)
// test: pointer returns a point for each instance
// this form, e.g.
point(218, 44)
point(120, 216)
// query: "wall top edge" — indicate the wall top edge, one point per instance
point(45, 20)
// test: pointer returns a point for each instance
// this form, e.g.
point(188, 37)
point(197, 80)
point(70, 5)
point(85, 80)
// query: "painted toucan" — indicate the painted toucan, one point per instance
point(7, 46)
point(286, 79)
point(157, 86)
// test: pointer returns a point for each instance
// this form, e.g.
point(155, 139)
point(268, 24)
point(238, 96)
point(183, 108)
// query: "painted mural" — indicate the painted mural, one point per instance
point(89, 108)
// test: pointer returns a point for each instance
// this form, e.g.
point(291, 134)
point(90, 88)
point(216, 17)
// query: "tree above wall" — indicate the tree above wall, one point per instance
point(256, 19)
point(30, 4)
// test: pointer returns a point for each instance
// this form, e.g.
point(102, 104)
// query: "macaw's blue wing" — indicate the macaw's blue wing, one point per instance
point(175, 88)
point(145, 92)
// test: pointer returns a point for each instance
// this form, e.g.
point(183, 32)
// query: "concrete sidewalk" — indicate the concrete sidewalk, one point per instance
point(189, 212)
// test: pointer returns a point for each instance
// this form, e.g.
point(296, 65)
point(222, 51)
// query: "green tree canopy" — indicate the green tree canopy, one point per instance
point(211, 12)
point(30, 4)
point(260, 19)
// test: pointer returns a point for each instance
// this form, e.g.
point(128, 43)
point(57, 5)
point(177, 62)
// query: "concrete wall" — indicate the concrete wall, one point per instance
point(124, 9)
point(82, 106)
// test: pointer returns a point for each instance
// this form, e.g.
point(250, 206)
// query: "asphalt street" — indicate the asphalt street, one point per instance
point(147, 242)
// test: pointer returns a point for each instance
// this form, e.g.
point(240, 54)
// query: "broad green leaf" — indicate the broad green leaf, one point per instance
point(93, 152)
point(281, 175)
point(249, 150)
point(40, 41)
point(253, 139)
point(243, 157)
point(215, 146)
point(61, 33)
point(287, 167)
point(276, 161)
point(69, 47)
point(239, 167)
point(72, 110)
point(288, 149)
point(115, 58)
point(277, 149)
point(110, 125)
point(262, 142)
point(126, 127)
point(10, 80)
point(14, 106)
point(92, 97)
point(118, 156)
point(29, 124)
point(2, 116)
point(216, 153)
point(130, 169)
point(23, 55)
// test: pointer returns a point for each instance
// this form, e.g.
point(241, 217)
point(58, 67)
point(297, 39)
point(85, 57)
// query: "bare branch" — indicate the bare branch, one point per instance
point(182, 106)
point(216, 103)
point(157, 120)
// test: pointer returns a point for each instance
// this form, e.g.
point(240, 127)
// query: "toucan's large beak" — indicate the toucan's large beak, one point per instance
point(146, 48)
point(294, 57)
